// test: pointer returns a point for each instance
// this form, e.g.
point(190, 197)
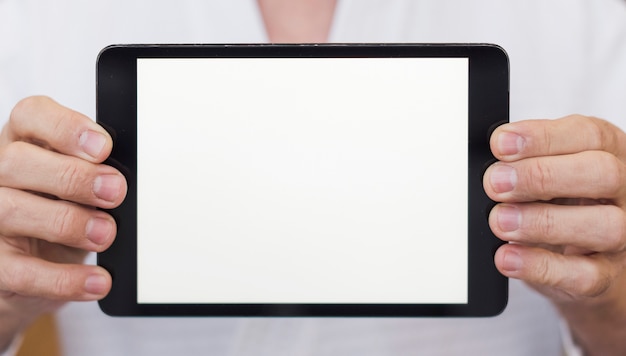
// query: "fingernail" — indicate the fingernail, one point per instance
point(107, 187)
point(96, 284)
point(503, 178)
point(509, 218)
point(510, 143)
point(92, 143)
point(512, 261)
point(98, 230)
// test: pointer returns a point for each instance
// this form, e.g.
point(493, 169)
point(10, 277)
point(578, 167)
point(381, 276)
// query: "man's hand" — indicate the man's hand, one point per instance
point(51, 179)
point(561, 184)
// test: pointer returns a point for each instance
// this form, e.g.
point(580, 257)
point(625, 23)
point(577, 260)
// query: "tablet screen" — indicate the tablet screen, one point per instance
point(319, 180)
point(303, 180)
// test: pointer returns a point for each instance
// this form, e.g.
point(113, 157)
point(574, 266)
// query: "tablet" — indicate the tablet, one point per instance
point(303, 180)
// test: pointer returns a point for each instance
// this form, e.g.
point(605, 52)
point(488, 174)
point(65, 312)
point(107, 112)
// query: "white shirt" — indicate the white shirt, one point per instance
point(567, 56)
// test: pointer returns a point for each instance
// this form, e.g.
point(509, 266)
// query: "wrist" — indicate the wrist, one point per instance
point(13, 347)
point(12, 324)
point(8, 336)
point(598, 323)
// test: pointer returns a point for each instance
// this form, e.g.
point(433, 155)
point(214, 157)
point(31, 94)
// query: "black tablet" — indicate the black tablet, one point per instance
point(303, 180)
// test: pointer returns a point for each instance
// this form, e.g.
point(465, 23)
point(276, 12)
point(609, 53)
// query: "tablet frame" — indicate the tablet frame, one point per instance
point(488, 107)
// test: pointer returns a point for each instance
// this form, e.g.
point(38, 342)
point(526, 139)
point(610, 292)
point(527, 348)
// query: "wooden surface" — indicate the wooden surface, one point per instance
point(41, 338)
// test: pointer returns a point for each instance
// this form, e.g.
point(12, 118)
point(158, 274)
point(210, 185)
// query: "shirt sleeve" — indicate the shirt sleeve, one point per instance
point(569, 346)
point(13, 347)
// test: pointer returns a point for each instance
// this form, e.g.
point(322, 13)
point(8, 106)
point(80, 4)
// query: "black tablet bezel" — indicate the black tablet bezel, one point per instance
point(488, 107)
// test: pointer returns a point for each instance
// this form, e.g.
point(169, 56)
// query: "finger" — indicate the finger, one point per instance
point(575, 275)
point(29, 167)
point(590, 174)
point(33, 277)
point(42, 120)
point(56, 221)
point(595, 228)
point(572, 134)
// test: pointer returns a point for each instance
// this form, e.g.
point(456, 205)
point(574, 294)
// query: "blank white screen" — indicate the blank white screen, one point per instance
point(321, 180)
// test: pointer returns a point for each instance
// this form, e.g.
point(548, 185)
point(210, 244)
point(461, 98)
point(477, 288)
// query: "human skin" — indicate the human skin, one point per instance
point(51, 178)
point(300, 21)
point(573, 254)
point(560, 184)
point(562, 193)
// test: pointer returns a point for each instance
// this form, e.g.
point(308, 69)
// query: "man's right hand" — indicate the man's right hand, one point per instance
point(51, 180)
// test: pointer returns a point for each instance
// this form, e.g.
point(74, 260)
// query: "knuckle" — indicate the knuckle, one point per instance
point(615, 222)
point(606, 137)
point(545, 224)
point(63, 222)
point(599, 134)
point(620, 227)
point(21, 109)
point(45, 122)
point(63, 285)
point(14, 277)
point(70, 179)
point(593, 128)
point(62, 126)
point(547, 140)
point(594, 281)
point(611, 173)
point(8, 206)
point(24, 109)
point(10, 156)
point(542, 271)
point(18, 276)
point(541, 178)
